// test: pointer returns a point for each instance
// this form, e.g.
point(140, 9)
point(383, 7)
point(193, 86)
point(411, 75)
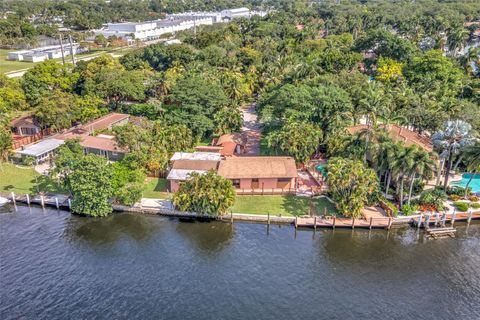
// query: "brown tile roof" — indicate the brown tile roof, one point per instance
point(100, 144)
point(104, 122)
point(398, 133)
point(258, 167)
point(237, 138)
point(25, 121)
point(195, 164)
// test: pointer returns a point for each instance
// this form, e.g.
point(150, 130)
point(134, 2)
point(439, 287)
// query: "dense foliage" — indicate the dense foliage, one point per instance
point(205, 193)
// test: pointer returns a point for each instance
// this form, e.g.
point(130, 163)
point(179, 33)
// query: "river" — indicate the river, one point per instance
point(54, 265)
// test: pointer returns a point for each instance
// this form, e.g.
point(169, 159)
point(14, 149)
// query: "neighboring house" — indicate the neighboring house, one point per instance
point(226, 145)
point(25, 126)
point(104, 145)
point(41, 151)
point(260, 172)
point(398, 133)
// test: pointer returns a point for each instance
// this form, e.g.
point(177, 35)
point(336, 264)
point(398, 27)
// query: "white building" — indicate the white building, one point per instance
point(235, 13)
point(153, 29)
point(17, 55)
point(44, 53)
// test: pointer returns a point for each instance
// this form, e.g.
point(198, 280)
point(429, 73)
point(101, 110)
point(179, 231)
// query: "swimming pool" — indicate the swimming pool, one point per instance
point(322, 168)
point(475, 184)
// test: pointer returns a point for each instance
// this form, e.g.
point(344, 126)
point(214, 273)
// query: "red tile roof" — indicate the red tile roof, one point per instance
point(257, 167)
point(398, 133)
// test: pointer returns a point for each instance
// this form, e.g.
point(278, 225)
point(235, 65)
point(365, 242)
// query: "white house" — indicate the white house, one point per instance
point(235, 13)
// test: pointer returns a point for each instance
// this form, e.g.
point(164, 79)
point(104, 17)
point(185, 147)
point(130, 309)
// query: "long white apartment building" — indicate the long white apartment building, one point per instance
point(151, 30)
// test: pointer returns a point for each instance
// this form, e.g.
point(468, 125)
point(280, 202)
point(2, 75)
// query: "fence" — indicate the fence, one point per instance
point(18, 143)
point(266, 191)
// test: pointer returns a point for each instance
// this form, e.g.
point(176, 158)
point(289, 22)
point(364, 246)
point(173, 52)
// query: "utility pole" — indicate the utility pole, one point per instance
point(71, 49)
point(61, 48)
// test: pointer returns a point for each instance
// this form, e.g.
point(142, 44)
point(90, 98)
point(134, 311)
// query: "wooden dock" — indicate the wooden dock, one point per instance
point(333, 222)
point(437, 219)
point(440, 233)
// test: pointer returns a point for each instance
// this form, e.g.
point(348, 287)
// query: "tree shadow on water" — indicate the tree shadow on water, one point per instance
point(109, 230)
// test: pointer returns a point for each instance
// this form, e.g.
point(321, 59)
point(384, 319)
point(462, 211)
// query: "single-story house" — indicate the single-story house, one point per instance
point(181, 170)
point(259, 172)
point(41, 151)
point(398, 133)
point(102, 145)
point(25, 126)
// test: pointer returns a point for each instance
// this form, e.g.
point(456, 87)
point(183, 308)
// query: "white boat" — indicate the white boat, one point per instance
point(3, 201)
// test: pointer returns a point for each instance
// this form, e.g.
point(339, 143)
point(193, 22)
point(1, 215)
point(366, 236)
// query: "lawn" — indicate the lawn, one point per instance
point(22, 180)
point(156, 188)
point(285, 205)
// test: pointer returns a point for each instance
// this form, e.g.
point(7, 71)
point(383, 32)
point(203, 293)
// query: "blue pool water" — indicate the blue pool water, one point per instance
point(475, 184)
point(322, 168)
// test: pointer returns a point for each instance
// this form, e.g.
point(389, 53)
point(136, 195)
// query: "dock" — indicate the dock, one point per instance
point(437, 219)
point(440, 233)
point(333, 222)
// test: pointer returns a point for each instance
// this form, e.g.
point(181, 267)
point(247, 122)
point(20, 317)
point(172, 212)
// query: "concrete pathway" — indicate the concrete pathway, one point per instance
point(251, 129)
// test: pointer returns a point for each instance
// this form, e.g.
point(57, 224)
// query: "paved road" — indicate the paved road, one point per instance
point(252, 129)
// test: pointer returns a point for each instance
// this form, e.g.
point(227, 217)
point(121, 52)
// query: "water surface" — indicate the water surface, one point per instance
point(57, 266)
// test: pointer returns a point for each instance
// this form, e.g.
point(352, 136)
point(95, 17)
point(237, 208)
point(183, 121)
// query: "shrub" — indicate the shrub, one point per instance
point(433, 198)
point(459, 191)
point(461, 206)
point(475, 205)
point(454, 197)
point(473, 198)
point(409, 209)
point(391, 206)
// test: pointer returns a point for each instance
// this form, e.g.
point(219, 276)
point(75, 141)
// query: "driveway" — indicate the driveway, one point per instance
point(251, 129)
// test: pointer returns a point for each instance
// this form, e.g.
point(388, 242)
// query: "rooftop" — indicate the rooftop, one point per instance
point(258, 167)
point(182, 174)
point(398, 133)
point(195, 164)
point(195, 156)
point(25, 121)
point(107, 144)
point(41, 147)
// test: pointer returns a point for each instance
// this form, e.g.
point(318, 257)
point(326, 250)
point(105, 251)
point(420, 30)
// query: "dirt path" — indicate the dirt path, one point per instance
point(251, 129)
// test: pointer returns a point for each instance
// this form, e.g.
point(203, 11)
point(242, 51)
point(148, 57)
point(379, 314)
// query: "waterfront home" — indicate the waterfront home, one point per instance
point(252, 174)
point(260, 173)
point(101, 144)
point(41, 151)
point(400, 134)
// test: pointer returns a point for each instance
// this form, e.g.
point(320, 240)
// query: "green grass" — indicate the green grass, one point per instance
point(288, 205)
point(156, 188)
point(22, 180)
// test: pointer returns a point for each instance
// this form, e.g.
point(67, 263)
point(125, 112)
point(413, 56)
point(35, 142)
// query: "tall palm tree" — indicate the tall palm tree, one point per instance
point(472, 158)
point(423, 168)
point(455, 136)
point(403, 165)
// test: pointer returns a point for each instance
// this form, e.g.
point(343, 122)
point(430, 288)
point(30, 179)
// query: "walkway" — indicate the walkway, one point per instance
point(251, 129)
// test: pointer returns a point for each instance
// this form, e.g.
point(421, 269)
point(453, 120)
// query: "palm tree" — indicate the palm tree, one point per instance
point(455, 136)
point(456, 40)
point(472, 157)
point(385, 155)
point(423, 167)
point(403, 164)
